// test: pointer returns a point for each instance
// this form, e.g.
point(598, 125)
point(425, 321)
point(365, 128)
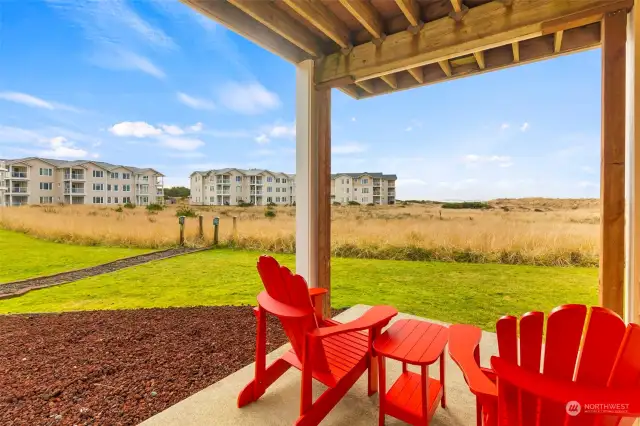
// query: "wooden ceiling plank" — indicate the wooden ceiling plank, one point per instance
point(446, 67)
point(411, 10)
point(557, 41)
point(367, 15)
point(281, 23)
point(534, 50)
point(444, 38)
point(391, 80)
point(323, 19)
point(241, 23)
point(480, 59)
point(515, 48)
point(417, 73)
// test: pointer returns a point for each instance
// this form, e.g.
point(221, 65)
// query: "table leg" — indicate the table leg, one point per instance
point(382, 389)
point(443, 401)
point(425, 393)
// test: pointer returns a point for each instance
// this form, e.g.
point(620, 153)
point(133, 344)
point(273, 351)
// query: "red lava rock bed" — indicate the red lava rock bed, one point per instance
point(118, 367)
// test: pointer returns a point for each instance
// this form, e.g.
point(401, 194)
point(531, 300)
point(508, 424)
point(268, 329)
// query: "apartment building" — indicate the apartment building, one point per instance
point(231, 187)
point(261, 187)
point(3, 182)
point(36, 180)
point(363, 188)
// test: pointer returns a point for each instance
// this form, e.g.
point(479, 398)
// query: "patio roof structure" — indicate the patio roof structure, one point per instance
point(368, 48)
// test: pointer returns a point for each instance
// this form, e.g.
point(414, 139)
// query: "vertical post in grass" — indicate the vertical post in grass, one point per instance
point(216, 222)
point(181, 220)
point(235, 227)
point(201, 227)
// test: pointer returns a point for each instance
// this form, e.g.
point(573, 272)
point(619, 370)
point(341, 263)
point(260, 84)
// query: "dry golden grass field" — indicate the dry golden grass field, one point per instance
point(524, 231)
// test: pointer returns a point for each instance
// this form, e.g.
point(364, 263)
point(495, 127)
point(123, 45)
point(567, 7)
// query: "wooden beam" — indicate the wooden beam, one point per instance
point(532, 50)
point(444, 38)
point(480, 59)
point(557, 41)
point(632, 290)
point(279, 22)
point(515, 47)
point(417, 73)
point(367, 86)
point(324, 196)
point(446, 67)
point(367, 15)
point(411, 10)
point(239, 22)
point(323, 19)
point(391, 80)
point(612, 184)
point(351, 90)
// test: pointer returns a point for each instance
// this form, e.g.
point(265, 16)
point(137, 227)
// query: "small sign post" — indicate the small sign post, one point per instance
point(181, 221)
point(216, 222)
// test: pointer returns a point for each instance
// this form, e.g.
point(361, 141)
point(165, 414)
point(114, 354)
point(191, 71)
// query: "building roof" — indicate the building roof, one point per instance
point(378, 175)
point(78, 163)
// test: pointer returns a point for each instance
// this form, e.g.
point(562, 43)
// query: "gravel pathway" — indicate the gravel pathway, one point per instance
point(18, 288)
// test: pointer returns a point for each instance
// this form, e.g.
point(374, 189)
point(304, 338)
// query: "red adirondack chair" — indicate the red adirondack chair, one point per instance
point(597, 362)
point(334, 354)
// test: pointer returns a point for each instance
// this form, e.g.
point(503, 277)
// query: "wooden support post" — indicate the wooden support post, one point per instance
point(235, 227)
point(201, 227)
point(612, 185)
point(313, 166)
point(216, 223)
point(632, 262)
point(181, 221)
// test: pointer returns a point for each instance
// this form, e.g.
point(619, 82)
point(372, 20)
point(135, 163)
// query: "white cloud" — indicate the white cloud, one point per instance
point(196, 127)
point(276, 131)
point(474, 160)
point(33, 101)
point(138, 129)
point(172, 129)
point(262, 139)
point(185, 154)
point(408, 129)
point(193, 102)
point(353, 119)
point(349, 148)
point(182, 144)
point(524, 127)
point(60, 147)
point(504, 126)
point(248, 98)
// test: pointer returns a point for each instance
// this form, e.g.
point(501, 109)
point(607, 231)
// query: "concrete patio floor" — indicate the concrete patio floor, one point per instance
point(216, 405)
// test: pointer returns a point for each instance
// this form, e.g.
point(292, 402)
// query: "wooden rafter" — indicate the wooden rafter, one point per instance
point(557, 41)
point(411, 10)
point(367, 15)
point(515, 47)
point(367, 86)
point(391, 80)
point(446, 67)
point(281, 23)
point(417, 73)
point(444, 38)
point(480, 59)
point(323, 19)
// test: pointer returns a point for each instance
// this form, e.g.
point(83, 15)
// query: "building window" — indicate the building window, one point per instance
point(284, 189)
point(98, 173)
point(277, 199)
point(115, 189)
point(126, 188)
point(365, 199)
point(355, 189)
point(277, 181)
point(126, 200)
point(347, 190)
point(46, 200)
point(108, 200)
point(212, 188)
point(46, 172)
point(126, 176)
point(212, 199)
point(145, 178)
point(277, 189)
point(269, 189)
point(108, 187)
point(46, 186)
point(98, 187)
point(343, 181)
point(269, 179)
point(98, 200)
point(269, 200)
point(238, 178)
point(284, 181)
point(115, 200)
point(347, 180)
point(239, 200)
point(115, 175)
point(365, 181)
point(365, 190)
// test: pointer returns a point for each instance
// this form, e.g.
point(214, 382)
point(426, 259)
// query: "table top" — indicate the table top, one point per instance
point(413, 341)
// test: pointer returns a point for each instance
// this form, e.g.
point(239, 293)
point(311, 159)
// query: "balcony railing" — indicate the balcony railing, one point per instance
point(376, 183)
point(256, 192)
point(73, 176)
point(19, 175)
point(19, 190)
point(74, 190)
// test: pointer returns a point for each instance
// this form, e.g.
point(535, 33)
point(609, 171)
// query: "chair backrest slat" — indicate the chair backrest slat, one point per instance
point(531, 331)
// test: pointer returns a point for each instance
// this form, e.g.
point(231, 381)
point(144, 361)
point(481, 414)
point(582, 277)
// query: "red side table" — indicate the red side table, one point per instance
point(413, 398)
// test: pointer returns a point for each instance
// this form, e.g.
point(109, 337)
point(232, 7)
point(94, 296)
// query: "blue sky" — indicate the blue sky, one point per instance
point(151, 83)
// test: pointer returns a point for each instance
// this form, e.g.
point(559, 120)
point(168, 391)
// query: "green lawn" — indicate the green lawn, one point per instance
point(26, 257)
point(452, 292)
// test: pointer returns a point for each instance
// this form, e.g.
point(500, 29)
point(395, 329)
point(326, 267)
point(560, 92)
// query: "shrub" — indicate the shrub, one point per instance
point(186, 211)
point(129, 206)
point(467, 205)
point(353, 203)
point(155, 207)
point(269, 213)
point(271, 204)
point(336, 203)
point(118, 210)
point(243, 204)
point(50, 209)
point(370, 204)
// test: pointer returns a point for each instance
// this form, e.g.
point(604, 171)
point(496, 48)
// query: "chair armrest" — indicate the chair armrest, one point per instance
point(280, 309)
point(463, 343)
point(317, 291)
point(378, 316)
point(563, 391)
